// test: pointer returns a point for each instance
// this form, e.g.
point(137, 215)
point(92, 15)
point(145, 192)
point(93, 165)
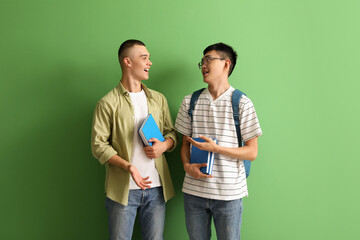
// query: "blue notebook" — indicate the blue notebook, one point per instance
point(149, 129)
point(202, 156)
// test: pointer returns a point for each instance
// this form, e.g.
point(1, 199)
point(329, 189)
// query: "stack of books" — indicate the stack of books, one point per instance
point(149, 129)
point(202, 156)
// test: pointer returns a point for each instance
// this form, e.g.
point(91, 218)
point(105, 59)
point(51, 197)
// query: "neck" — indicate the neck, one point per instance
point(131, 84)
point(217, 89)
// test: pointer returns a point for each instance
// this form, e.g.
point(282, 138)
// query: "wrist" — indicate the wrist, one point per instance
point(186, 165)
point(169, 143)
point(217, 149)
point(130, 168)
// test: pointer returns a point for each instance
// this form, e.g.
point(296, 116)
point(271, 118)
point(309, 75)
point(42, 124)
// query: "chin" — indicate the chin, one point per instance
point(206, 80)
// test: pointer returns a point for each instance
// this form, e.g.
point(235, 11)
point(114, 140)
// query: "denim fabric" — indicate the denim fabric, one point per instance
point(149, 204)
point(226, 214)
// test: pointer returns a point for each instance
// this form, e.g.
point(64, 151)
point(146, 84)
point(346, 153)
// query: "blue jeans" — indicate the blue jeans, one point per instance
point(150, 205)
point(226, 215)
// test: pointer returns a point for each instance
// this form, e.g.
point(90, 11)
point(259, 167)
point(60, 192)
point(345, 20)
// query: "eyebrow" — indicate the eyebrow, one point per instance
point(145, 55)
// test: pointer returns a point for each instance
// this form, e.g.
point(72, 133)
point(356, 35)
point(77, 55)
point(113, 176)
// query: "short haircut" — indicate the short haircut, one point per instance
point(126, 45)
point(225, 51)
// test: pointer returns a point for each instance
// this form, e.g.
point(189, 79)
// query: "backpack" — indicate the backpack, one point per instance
point(235, 99)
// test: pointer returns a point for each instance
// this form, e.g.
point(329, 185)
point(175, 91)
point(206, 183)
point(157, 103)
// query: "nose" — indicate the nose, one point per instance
point(149, 63)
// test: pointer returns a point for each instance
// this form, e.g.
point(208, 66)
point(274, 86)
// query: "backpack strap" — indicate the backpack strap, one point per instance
point(235, 100)
point(194, 98)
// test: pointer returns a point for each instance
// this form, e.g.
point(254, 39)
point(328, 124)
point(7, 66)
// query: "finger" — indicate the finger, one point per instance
point(154, 140)
point(147, 151)
point(150, 151)
point(140, 185)
point(145, 184)
point(145, 181)
point(199, 165)
point(207, 176)
point(204, 138)
point(203, 175)
point(193, 142)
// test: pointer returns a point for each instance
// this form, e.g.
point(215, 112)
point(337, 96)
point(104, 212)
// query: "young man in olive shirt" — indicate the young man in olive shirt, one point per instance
point(137, 177)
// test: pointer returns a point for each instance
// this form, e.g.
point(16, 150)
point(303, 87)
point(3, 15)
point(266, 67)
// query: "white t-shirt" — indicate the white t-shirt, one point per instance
point(214, 118)
point(145, 165)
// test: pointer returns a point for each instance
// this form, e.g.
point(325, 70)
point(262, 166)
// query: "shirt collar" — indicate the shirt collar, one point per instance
point(123, 90)
point(227, 92)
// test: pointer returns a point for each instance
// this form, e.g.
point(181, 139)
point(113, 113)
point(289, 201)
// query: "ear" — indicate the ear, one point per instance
point(127, 62)
point(227, 64)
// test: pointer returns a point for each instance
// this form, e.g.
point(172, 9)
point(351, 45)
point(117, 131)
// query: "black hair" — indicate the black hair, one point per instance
point(128, 44)
point(226, 50)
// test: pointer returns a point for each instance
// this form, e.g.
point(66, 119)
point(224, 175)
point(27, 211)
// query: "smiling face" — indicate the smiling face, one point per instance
point(214, 69)
point(138, 62)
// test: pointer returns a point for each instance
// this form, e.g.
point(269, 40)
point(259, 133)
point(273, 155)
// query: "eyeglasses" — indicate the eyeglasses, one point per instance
point(206, 60)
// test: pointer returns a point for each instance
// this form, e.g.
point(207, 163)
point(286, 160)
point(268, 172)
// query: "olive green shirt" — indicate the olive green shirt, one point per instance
point(113, 132)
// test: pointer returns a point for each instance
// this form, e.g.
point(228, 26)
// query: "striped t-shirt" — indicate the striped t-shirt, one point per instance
point(214, 118)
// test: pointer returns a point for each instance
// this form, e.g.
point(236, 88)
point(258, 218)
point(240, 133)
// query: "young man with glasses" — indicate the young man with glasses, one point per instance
point(218, 196)
point(137, 178)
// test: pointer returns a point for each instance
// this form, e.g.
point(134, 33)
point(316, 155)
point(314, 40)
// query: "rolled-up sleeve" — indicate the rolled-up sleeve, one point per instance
point(169, 130)
point(101, 131)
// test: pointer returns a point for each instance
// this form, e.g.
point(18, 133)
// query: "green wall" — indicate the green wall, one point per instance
point(298, 62)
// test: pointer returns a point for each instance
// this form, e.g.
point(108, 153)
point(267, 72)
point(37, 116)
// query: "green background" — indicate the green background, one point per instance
point(298, 62)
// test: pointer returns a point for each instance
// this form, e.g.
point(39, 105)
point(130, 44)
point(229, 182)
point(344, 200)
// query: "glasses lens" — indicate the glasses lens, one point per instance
point(204, 61)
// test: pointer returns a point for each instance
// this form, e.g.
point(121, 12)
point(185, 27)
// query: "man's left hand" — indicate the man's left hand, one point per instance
point(156, 149)
point(209, 145)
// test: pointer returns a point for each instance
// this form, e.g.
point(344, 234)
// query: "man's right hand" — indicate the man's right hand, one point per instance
point(194, 170)
point(142, 183)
